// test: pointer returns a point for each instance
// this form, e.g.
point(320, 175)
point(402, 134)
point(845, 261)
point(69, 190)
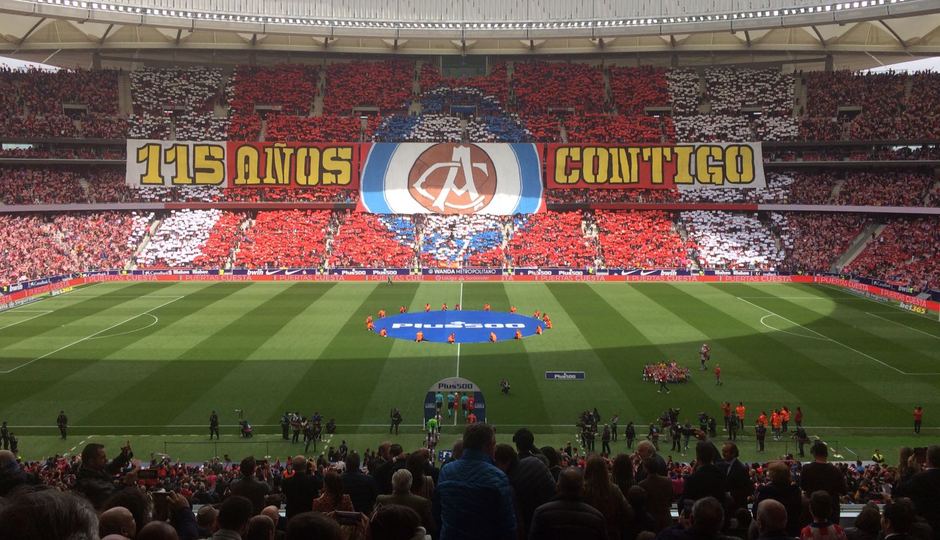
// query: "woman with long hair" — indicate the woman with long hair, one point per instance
point(421, 484)
point(606, 497)
point(332, 497)
point(622, 472)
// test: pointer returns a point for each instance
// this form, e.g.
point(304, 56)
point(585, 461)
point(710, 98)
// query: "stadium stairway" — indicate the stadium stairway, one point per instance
point(125, 100)
point(868, 233)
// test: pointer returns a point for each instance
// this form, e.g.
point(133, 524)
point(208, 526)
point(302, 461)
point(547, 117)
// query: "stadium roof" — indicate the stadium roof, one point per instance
point(801, 33)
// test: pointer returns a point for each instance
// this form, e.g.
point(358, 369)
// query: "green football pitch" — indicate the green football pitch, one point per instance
point(147, 362)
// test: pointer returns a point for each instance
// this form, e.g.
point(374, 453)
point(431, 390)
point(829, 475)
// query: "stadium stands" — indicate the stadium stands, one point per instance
point(618, 129)
point(35, 246)
point(906, 253)
point(286, 238)
point(179, 239)
point(222, 241)
point(731, 241)
point(386, 84)
point(542, 87)
point(634, 89)
point(640, 240)
point(813, 242)
point(551, 239)
point(370, 240)
point(458, 241)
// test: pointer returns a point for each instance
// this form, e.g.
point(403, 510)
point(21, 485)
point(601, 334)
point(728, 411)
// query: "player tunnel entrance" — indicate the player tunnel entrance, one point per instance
point(459, 391)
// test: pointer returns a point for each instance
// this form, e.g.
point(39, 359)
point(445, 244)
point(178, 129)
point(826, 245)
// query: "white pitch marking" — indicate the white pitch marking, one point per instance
point(40, 314)
point(928, 334)
point(86, 338)
point(155, 321)
point(775, 329)
point(866, 355)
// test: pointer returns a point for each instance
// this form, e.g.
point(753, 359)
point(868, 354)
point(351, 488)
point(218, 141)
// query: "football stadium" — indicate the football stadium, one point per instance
point(529, 269)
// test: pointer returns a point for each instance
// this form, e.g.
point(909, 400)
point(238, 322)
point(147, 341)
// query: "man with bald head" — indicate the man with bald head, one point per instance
point(157, 530)
point(274, 514)
point(567, 515)
point(117, 520)
point(771, 520)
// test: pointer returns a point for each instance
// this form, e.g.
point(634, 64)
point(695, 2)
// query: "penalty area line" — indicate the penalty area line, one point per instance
point(91, 336)
point(928, 334)
point(40, 314)
point(827, 338)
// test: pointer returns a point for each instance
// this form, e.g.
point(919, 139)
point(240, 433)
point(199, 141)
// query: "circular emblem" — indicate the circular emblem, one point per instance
point(453, 178)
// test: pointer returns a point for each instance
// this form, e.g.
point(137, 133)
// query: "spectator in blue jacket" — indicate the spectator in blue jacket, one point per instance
point(473, 499)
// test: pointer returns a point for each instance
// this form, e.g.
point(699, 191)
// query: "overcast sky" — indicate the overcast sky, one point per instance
point(927, 64)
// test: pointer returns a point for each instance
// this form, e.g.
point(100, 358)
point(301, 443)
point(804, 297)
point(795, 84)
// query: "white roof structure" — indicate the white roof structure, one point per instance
point(805, 34)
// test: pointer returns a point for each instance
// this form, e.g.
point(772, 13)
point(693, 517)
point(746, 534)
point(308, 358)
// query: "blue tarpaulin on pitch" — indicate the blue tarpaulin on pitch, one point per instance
point(467, 326)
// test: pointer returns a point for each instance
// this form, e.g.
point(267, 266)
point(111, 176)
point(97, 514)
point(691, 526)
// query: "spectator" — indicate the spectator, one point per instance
point(822, 475)
point(924, 490)
point(260, 528)
point(309, 525)
point(606, 497)
point(418, 462)
point(117, 520)
point(396, 522)
point(95, 479)
point(402, 495)
point(821, 508)
point(157, 530)
point(531, 482)
point(658, 490)
point(867, 524)
point(332, 497)
point(898, 519)
point(48, 514)
point(250, 487)
point(706, 521)
point(301, 488)
point(472, 486)
point(234, 514)
point(771, 518)
point(361, 488)
point(707, 480)
point(568, 516)
point(781, 489)
point(737, 481)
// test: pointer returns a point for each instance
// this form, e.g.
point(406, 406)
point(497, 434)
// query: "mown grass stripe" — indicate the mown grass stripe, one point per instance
point(76, 378)
point(163, 394)
point(487, 363)
point(624, 350)
point(78, 311)
point(339, 384)
point(797, 368)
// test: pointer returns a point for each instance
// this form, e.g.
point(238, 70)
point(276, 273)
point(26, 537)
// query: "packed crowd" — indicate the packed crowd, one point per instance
point(906, 253)
point(35, 246)
point(484, 490)
point(542, 87)
point(286, 239)
point(179, 239)
point(387, 85)
point(552, 239)
point(813, 242)
point(731, 241)
point(457, 241)
point(640, 240)
point(325, 128)
point(371, 240)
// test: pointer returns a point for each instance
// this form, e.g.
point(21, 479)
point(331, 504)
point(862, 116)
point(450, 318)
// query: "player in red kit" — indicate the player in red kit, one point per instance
point(444, 306)
point(918, 418)
point(402, 309)
point(717, 375)
point(427, 308)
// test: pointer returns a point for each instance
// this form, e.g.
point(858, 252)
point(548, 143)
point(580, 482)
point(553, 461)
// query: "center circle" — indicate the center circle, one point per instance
point(467, 326)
